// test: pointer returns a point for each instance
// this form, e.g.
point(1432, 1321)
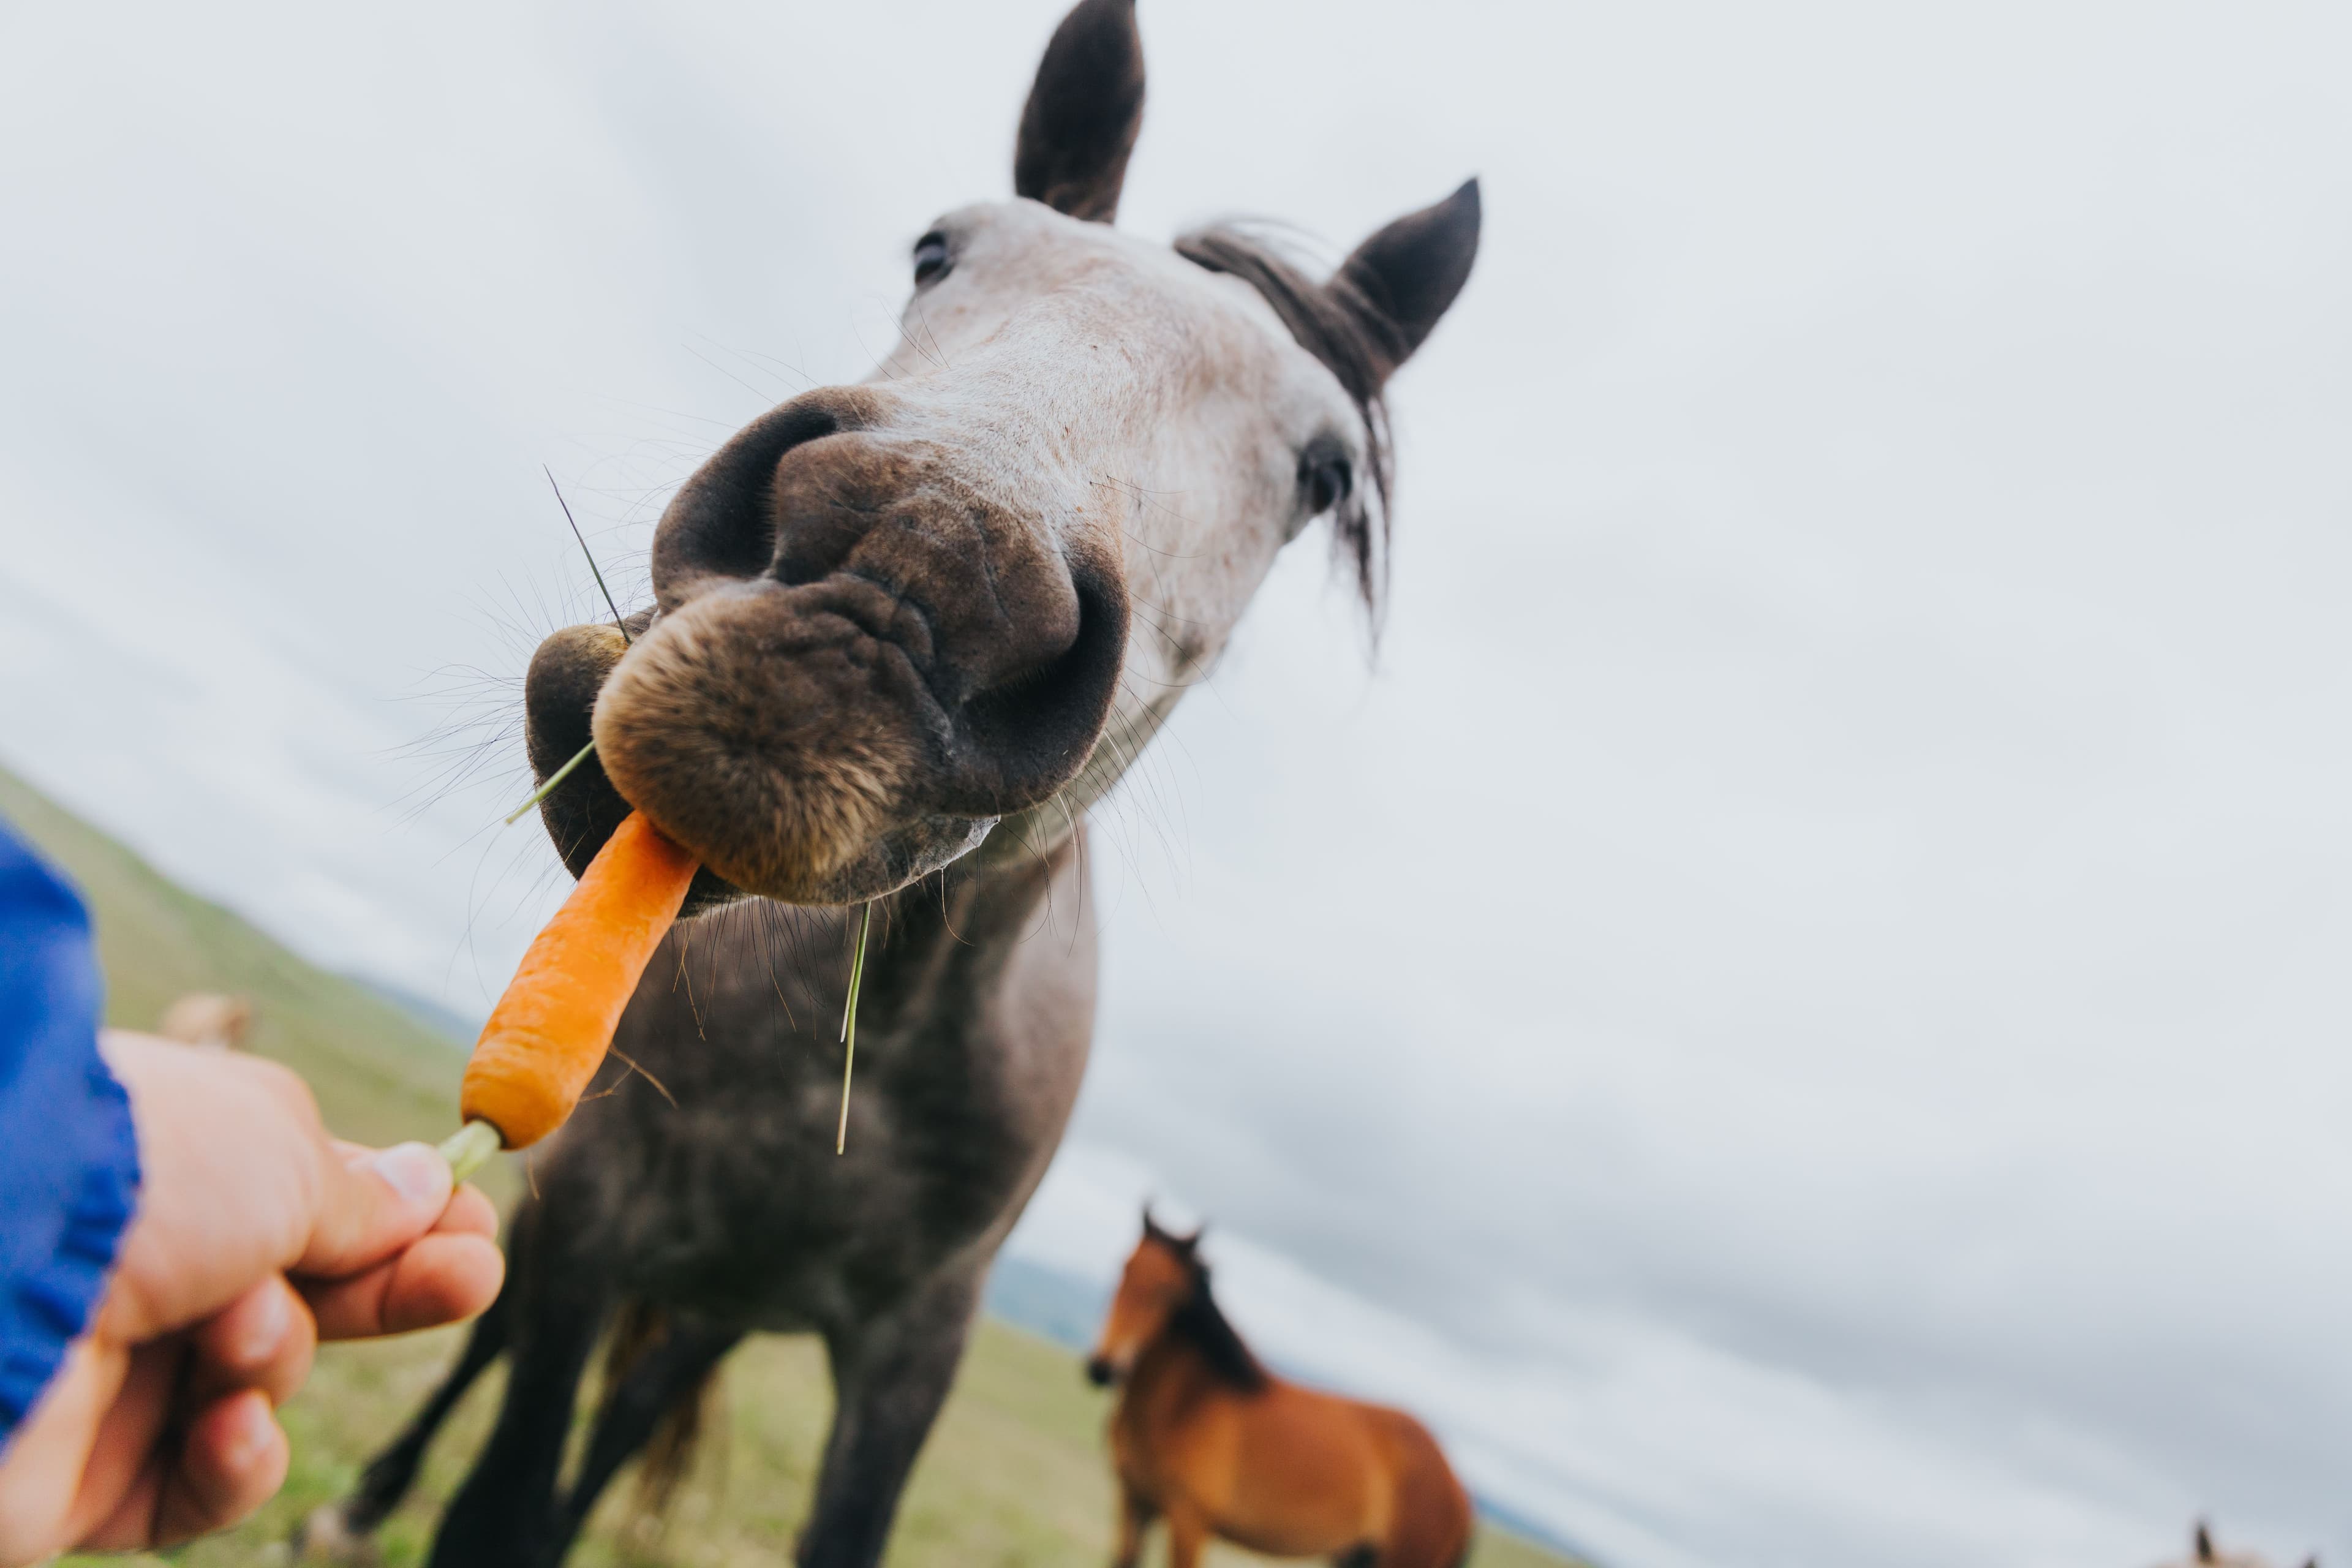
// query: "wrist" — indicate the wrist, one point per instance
point(42, 1466)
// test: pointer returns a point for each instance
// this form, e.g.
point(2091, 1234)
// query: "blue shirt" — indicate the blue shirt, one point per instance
point(68, 1155)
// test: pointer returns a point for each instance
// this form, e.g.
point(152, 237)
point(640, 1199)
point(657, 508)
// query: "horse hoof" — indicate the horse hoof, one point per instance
point(324, 1537)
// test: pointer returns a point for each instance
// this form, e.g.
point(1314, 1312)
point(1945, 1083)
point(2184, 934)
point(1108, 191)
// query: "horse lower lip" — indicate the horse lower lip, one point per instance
point(780, 747)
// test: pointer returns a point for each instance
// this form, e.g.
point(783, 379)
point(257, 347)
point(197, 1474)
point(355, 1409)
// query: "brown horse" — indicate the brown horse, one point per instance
point(1206, 1437)
point(2204, 1553)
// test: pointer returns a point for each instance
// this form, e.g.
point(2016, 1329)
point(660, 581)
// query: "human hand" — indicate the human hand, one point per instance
point(256, 1235)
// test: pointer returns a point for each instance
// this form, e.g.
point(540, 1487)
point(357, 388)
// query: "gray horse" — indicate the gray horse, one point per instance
point(904, 634)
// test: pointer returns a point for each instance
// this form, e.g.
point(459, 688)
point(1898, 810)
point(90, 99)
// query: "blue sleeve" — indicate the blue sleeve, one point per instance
point(68, 1156)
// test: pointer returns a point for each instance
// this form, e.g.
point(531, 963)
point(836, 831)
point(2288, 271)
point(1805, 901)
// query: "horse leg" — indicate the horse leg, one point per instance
point(890, 1377)
point(674, 1369)
point(1188, 1533)
point(1135, 1516)
point(505, 1516)
point(334, 1531)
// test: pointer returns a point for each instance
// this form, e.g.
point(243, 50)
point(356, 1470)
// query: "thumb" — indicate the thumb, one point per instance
point(371, 1205)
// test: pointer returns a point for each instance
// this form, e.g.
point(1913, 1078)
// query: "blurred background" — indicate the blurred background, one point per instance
point(1796, 1009)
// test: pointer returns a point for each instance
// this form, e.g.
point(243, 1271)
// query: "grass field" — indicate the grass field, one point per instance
point(1014, 1472)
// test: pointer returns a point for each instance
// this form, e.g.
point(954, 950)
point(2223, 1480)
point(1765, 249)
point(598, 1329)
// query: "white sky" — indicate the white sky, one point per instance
point(1800, 1012)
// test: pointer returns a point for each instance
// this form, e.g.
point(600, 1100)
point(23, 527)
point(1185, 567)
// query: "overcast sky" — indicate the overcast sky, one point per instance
point(1799, 1012)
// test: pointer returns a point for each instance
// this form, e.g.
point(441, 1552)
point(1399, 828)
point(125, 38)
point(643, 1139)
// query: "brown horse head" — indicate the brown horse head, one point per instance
point(949, 604)
point(2204, 1553)
point(1164, 1276)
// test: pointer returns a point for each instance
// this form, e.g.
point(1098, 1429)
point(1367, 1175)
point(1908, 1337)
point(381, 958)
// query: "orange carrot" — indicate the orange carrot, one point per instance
point(549, 1033)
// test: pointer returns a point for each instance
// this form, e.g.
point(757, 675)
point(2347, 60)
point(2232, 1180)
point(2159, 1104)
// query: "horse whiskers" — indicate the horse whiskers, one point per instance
point(618, 623)
point(756, 392)
point(789, 1022)
point(947, 916)
point(481, 720)
point(659, 1088)
point(937, 360)
point(790, 369)
point(688, 979)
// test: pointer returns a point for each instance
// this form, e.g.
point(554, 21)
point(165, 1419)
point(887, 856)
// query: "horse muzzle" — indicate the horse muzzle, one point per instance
point(860, 661)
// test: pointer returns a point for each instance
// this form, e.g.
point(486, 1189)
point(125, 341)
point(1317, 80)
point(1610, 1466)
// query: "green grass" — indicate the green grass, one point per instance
point(378, 1075)
point(1014, 1474)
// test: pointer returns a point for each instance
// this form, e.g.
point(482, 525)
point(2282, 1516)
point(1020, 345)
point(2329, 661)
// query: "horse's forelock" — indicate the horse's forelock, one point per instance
point(1335, 323)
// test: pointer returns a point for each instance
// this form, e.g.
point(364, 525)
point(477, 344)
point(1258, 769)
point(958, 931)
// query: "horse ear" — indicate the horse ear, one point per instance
point(1404, 277)
point(1080, 121)
point(1192, 1242)
point(2204, 1543)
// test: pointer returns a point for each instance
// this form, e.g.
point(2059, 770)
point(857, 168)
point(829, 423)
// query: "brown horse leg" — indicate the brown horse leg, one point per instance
point(1188, 1533)
point(1135, 1516)
point(1432, 1522)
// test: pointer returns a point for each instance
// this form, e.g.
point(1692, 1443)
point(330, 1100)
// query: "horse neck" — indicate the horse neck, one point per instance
point(969, 919)
point(1198, 1343)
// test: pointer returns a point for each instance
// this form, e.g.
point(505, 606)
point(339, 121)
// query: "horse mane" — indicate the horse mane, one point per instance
point(1199, 1323)
point(1337, 323)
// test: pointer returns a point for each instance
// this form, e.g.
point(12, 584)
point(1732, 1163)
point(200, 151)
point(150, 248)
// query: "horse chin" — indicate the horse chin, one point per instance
point(894, 861)
point(898, 860)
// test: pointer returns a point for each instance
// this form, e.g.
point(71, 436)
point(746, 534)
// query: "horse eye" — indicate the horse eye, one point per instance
point(1328, 481)
point(930, 258)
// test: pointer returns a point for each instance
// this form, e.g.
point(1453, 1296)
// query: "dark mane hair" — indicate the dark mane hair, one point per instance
point(1200, 1324)
point(1338, 325)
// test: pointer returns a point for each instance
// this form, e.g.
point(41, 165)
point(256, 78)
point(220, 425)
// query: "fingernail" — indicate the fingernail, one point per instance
point(267, 1332)
point(416, 1172)
point(247, 1436)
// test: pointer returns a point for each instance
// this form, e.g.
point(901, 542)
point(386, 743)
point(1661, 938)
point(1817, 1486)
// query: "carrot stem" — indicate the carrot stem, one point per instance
point(849, 1027)
point(557, 777)
point(469, 1149)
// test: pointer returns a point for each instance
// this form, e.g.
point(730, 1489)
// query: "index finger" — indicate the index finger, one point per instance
point(451, 1274)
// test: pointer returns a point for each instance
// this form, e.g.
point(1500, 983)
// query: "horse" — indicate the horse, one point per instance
point(905, 633)
point(202, 1018)
point(2204, 1553)
point(1206, 1438)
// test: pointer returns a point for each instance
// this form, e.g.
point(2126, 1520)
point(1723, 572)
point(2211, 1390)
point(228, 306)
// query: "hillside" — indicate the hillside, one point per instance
point(1014, 1473)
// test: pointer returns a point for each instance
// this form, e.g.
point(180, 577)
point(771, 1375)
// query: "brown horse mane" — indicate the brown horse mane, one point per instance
point(1201, 1325)
point(1338, 325)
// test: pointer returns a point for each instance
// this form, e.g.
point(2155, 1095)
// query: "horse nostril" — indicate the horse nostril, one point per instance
point(720, 523)
point(1099, 1370)
point(1026, 735)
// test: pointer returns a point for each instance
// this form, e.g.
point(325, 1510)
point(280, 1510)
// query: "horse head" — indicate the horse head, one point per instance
point(943, 608)
point(1163, 1274)
point(2204, 1553)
